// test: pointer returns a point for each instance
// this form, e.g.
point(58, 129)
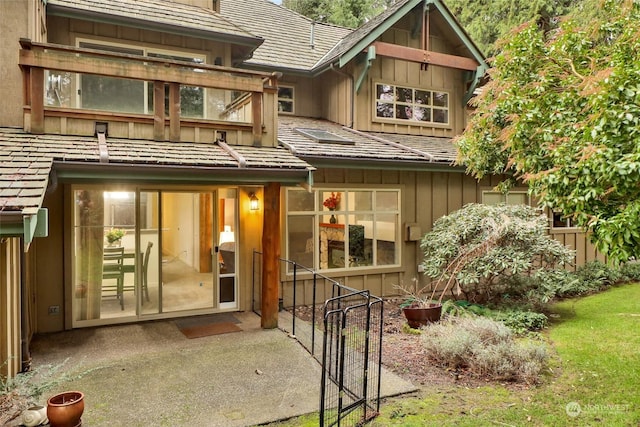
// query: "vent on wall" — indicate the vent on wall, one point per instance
point(320, 135)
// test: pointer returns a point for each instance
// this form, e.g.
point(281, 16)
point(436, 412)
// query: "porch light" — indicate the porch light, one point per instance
point(253, 202)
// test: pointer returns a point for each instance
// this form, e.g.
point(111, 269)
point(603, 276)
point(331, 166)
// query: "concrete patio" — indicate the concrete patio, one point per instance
point(151, 374)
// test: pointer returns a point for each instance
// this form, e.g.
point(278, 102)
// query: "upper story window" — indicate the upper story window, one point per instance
point(285, 100)
point(136, 96)
point(509, 198)
point(65, 89)
point(343, 228)
point(411, 104)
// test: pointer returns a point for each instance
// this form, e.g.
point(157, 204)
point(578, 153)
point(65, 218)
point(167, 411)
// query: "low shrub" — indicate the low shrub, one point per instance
point(485, 348)
point(521, 322)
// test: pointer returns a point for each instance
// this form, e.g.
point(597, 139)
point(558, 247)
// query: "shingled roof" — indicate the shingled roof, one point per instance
point(292, 41)
point(26, 161)
point(159, 15)
point(367, 147)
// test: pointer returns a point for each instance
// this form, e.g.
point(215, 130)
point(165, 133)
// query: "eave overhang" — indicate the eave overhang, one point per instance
point(170, 174)
point(251, 42)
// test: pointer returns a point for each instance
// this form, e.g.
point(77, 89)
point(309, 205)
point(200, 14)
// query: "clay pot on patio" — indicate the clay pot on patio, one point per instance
point(65, 409)
point(420, 316)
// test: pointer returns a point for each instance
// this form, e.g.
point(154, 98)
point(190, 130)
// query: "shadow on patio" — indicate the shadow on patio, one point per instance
point(151, 374)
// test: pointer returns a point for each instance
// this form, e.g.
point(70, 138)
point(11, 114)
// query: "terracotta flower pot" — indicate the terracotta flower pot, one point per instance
point(420, 316)
point(65, 409)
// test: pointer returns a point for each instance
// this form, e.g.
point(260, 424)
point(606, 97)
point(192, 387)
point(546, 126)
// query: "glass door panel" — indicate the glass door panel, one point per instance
point(149, 253)
point(226, 249)
point(104, 260)
point(186, 236)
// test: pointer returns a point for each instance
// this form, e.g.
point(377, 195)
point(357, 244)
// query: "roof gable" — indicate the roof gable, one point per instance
point(355, 43)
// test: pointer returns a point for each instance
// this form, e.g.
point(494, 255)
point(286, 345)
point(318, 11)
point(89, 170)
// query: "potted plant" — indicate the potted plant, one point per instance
point(114, 236)
point(420, 308)
point(65, 409)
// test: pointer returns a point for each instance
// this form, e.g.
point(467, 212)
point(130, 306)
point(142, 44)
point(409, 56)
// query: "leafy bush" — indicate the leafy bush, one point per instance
point(483, 347)
point(521, 322)
point(631, 271)
point(476, 249)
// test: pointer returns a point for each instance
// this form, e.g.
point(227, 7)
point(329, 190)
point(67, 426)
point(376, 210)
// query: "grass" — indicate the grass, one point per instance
point(594, 379)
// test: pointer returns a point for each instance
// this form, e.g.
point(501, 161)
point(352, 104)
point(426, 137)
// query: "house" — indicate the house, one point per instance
point(207, 130)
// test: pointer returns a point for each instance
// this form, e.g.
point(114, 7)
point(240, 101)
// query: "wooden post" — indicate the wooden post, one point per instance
point(256, 113)
point(270, 256)
point(174, 112)
point(158, 111)
point(37, 100)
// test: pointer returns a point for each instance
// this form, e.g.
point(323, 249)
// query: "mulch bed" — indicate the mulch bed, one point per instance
point(404, 354)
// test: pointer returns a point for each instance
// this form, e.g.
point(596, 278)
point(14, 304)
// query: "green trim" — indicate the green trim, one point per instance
point(12, 229)
point(377, 32)
point(455, 26)
point(333, 163)
point(36, 225)
point(110, 173)
point(400, 13)
point(371, 56)
point(475, 81)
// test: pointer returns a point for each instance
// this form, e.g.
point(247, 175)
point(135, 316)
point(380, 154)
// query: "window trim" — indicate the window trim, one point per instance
point(411, 122)
point(483, 192)
point(291, 100)
point(319, 211)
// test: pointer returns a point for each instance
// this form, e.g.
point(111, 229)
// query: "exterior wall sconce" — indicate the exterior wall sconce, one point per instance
point(253, 202)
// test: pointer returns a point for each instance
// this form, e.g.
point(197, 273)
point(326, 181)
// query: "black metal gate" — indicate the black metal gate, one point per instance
point(351, 357)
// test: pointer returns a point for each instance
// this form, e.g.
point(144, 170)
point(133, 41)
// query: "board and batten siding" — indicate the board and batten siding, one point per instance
point(426, 197)
point(10, 318)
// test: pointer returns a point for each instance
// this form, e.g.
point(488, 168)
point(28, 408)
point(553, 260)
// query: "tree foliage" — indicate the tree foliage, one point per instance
point(488, 21)
point(346, 13)
point(562, 113)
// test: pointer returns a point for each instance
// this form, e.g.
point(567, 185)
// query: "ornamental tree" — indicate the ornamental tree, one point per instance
point(562, 114)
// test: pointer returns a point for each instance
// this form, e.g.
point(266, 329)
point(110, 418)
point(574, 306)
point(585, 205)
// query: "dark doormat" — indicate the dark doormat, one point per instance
point(207, 319)
point(206, 330)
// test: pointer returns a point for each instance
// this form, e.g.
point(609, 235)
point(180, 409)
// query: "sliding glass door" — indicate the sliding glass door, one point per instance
point(149, 254)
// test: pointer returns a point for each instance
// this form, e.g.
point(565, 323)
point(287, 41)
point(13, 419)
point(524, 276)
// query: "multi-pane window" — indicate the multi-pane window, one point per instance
point(406, 103)
point(341, 228)
point(510, 198)
point(285, 99)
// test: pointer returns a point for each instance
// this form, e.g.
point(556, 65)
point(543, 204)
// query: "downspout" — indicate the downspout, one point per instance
point(353, 91)
point(25, 323)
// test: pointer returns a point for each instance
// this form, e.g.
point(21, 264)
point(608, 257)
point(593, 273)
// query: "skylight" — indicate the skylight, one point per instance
point(320, 135)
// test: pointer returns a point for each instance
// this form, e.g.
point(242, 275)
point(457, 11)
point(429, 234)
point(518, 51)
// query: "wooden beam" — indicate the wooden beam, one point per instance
point(139, 70)
point(174, 112)
point(256, 116)
point(425, 56)
point(37, 100)
point(270, 256)
point(158, 111)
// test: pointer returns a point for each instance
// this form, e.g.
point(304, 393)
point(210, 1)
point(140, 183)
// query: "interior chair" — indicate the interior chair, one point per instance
point(112, 268)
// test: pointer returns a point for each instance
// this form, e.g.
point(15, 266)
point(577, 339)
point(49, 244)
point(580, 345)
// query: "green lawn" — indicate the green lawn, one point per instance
point(595, 378)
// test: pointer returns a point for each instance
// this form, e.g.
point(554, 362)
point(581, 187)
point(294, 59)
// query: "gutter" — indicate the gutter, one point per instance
point(167, 174)
point(332, 162)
